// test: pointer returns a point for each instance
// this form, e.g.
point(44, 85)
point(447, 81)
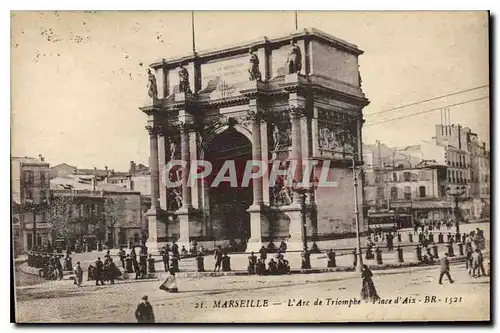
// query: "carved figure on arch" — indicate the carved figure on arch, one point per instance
point(183, 80)
point(294, 60)
point(152, 88)
point(253, 68)
point(174, 200)
point(172, 149)
point(276, 137)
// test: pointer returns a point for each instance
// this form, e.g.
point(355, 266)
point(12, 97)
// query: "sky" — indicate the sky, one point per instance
point(78, 78)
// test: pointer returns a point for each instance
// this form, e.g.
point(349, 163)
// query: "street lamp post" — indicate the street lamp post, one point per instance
point(356, 210)
point(456, 193)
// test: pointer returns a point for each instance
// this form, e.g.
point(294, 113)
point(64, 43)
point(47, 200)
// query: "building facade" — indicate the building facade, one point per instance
point(30, 194)
point(96, 212)
point(293, 98)
point(454, 159)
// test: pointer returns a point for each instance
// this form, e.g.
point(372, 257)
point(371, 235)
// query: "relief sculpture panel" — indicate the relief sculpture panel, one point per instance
point(280, 132)
point(337, 132)
point(174, 194)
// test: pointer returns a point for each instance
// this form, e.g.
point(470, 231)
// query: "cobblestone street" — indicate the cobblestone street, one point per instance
point(60, 301)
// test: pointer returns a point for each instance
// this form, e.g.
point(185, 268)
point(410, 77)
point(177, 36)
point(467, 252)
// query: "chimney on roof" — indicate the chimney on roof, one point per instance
point(107, 174)
point(42, 159)
point(132, 168)
point(94, 179)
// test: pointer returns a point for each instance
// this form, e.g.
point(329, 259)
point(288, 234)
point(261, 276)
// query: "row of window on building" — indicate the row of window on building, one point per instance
point(32, 178)
point(458, 176)
point(457, 160)
point(395, 193)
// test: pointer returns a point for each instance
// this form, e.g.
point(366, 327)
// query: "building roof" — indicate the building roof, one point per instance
point(79, 183)
point(91, 172)
point(63, 165)
point(227, 50)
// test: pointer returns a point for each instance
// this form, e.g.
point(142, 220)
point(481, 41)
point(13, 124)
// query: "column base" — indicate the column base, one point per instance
point(155, 234)
point(294, 213)
point(254, 244)
point(184, 219)
point(154, 247)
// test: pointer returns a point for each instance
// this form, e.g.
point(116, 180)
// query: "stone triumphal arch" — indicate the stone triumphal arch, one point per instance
point(293, 98)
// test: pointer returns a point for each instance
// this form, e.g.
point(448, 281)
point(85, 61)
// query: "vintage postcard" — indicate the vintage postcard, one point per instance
point(216, 167)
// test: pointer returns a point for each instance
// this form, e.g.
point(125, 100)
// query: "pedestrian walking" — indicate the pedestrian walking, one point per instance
point(478, 263)
point(218, 258)
point(170, 284)
point(445, 269)
point(368, 291)
point(78, 274)
point(144, 312)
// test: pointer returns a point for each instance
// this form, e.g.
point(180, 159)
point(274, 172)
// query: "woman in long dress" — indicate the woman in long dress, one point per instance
point(170, 284)
point(368, 291)
point(78, 274)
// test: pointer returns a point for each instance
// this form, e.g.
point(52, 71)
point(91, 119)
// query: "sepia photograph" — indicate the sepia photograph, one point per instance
point(250, 166)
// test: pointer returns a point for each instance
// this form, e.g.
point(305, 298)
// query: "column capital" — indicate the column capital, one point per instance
point(255, 116)
point(297, 111)
point(185, 127)
point(153, 130)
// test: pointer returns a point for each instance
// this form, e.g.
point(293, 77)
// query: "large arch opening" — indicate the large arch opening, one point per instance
point(228, 204)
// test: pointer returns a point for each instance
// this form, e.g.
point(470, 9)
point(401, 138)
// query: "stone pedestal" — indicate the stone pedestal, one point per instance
point(184, 220)
point(156, 239)
point(294, 213)
point(256, 218)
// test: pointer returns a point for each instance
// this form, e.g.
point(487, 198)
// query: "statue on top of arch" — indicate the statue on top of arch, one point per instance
point(184, 80)
point(152, 88)
point(253, 68)
point(294, 60)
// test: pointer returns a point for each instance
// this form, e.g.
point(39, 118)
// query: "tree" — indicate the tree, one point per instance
point(58, 214)
point(113, 210)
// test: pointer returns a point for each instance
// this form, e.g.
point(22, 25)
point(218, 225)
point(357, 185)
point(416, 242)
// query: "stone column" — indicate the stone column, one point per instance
point(184, 211)
point(294, 211)
point(152, 214)
point(256, 216)
point(296, 152)
point(153, 164)
point(185, 157)
point(265, 161)
point(161, 167)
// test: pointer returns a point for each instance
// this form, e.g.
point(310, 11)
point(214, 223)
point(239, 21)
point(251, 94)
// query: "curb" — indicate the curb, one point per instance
point(67, 275)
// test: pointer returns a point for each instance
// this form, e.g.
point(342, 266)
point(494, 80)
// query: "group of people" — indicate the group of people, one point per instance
point(131, 264)
point(474, 243)
point(52, 269)
point(275, 266)
point(101, 271)
point(222, 260)
point(370, 244)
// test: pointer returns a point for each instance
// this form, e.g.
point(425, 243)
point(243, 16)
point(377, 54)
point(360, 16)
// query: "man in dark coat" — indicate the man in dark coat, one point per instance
point(445, 269)
point(218, 258)
point(99, 272)
point(390, 241)
point(165, 257)
point(133, 255)
point(144, 312)
point(175, 250)
point(122, 256)
point(263, 253)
